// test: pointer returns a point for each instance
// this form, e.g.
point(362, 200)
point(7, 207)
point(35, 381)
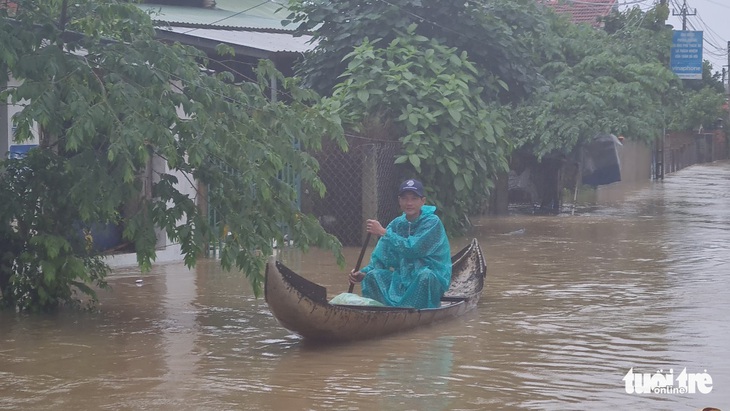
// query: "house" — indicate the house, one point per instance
point(251, 28)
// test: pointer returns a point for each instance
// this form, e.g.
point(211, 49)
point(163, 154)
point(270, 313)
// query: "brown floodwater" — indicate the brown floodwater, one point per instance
point(639, 281)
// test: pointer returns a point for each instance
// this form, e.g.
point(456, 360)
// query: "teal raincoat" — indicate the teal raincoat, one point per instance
point(411, 264)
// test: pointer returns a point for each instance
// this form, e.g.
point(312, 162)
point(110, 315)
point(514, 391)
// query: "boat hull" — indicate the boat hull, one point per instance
point(301, 306)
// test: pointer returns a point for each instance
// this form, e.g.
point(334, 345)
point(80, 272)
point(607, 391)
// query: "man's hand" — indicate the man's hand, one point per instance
point(374, 227)
point(356, 276)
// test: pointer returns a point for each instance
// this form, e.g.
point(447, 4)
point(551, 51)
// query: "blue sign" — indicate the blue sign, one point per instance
point(686, 59)
point(20, 150)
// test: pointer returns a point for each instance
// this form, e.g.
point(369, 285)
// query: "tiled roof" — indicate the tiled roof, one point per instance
point(582, 11)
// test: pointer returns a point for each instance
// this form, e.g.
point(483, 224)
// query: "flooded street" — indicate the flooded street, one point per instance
point(571, 304)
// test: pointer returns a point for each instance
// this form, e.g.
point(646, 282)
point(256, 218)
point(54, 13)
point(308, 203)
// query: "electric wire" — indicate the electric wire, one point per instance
point(710, 46)
point(233, 15)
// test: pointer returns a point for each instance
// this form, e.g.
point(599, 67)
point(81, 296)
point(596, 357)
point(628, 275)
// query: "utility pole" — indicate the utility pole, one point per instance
point(684, 13)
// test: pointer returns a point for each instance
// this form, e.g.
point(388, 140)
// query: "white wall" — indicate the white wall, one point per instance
point(7, 128)
point(165, 250)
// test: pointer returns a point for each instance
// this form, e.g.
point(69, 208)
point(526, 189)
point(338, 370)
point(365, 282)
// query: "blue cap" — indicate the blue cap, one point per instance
point(413, 186)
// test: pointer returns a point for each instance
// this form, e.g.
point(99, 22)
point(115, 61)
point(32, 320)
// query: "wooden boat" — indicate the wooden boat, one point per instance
point(301, 306)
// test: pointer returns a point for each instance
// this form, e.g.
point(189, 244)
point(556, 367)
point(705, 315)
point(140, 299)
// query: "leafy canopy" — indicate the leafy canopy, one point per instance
point(498, 35)
point(450, 137)
point(109, 100)
point(596, 82)
point(699, 109)
point(615, 80)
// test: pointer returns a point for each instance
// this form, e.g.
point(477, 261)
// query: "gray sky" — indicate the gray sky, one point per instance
point(713, 19)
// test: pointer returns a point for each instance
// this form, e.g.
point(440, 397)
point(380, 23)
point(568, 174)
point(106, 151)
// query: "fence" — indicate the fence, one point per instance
point(681, 150)
point(361, 184)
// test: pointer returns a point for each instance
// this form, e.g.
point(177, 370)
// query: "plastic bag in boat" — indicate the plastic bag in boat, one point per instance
point(354, 299)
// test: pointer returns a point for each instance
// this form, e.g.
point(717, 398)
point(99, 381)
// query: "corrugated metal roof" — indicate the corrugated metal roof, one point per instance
point(271, 42)
point(251, 14)
point(251, 24)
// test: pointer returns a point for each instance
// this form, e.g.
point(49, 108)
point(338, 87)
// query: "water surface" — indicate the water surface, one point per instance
point(571, 303)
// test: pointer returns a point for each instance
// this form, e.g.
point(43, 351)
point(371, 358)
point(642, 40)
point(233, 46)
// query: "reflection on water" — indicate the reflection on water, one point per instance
point(418, 382)
point(571, 303)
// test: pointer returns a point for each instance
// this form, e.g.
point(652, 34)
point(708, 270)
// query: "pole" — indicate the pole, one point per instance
point(684, 13)
point(659, 149)
point(274, 90)
point(359, 260)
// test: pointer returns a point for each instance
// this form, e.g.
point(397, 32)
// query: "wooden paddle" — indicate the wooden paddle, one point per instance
point(359, 260)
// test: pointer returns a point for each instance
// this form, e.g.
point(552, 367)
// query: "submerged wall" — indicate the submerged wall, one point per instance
point(636, 171)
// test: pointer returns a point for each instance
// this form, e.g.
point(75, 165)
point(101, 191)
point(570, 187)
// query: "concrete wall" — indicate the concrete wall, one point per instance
point(678, 151)
point(636, 171)
point(636, 161)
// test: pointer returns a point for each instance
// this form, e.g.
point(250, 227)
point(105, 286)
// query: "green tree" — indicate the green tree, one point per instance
point(107, 97)
point(498, 35)
point(451, 137)
point(647, 34)
point(699, 109)
point(447, 107)
point(597, 82)
point(709, 80)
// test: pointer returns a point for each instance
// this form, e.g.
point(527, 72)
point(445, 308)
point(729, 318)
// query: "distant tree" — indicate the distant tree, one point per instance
point(699, 109)
point(653, 19)
point(597, 82)
point(710, 80)
point(107, 98)
point(645, 33)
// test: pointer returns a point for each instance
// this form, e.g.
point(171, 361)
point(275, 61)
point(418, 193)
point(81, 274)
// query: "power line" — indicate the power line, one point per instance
point(711, 50)
point(718, 4)
point(233, 15)
point(711, 32)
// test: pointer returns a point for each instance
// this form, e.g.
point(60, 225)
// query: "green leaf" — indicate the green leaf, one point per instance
point(363, 95)
point(413, 118)
point(455, 114)
point(452, 165)
point(459, 183)
point(455, 60)
point(415, 160)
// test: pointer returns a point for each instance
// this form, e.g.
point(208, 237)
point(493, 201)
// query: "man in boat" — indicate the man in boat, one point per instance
point(411, 264)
